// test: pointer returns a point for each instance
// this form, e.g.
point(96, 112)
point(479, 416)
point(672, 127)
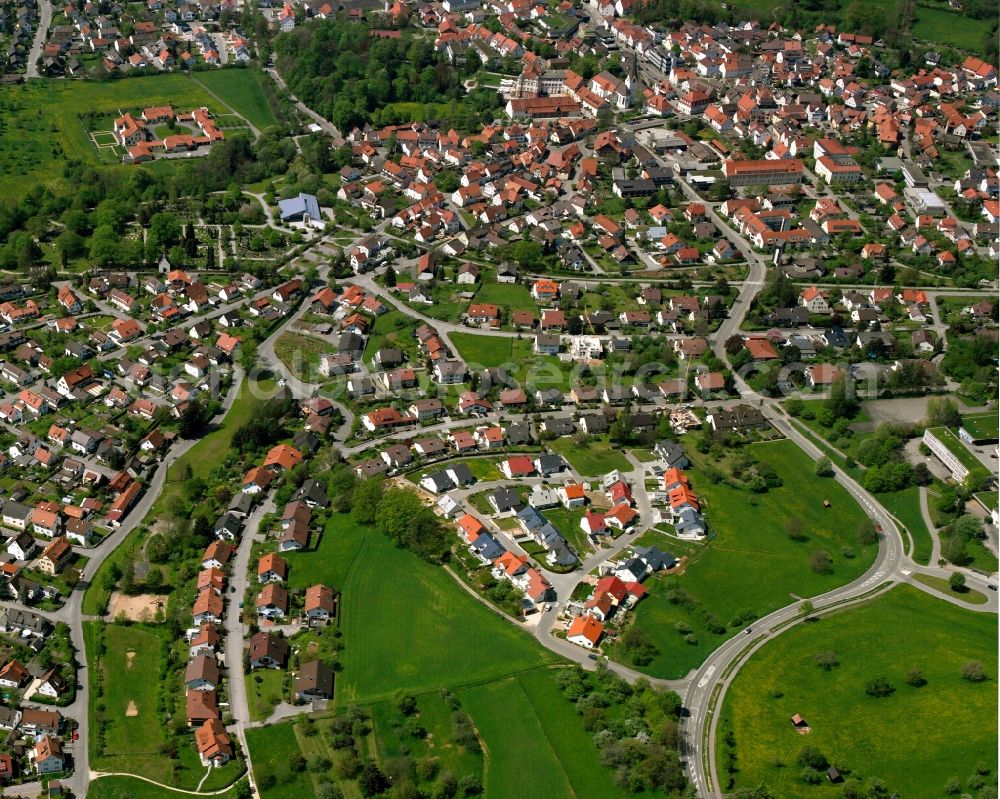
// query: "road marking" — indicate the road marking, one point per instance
point(906, 572)
point(708, 675)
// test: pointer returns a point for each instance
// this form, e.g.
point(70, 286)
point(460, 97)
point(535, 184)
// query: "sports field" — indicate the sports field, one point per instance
point(914, 740)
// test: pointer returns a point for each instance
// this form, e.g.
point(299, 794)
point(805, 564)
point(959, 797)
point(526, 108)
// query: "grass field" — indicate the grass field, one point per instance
point(132, 788)
point(241, 89)
point(750, 564)
point(394, 329)
point(949, 27)
point(970, 595)
point(270, 750)
point(535, 746)
point(129, 713)
point(915, 740)
point(301, 354)
point(406, 624)
point(511, 295)
point(594, 459)
point(129, 742)
point(905, 506)
point(530, 370)
point(42, 127)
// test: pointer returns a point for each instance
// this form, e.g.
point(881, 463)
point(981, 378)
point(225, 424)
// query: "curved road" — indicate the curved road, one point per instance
point(704, 689)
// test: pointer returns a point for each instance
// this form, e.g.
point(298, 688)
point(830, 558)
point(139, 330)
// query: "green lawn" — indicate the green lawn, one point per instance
point(949, 27)
point(914, 740)
point(594, 459)
point(535, 746)
point(301, 354)
point(905, 506)
point(241, 89)
point(750, 564)
point(265, 688)
point(271, 749)
point(132, 788)
point(394, 329)
point(406, 624)
point(982, 425)
point(44, 129)
point(529, 369)
point(970, 595)
point(514, 296)
point(131, 685)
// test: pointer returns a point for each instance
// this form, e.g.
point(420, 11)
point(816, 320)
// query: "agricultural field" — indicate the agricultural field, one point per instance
point(387, 624)
point(750, 540)
point(241, 90)
point(915, 740)
point(41, 127)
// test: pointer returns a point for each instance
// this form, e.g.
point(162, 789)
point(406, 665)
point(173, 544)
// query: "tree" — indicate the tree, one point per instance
point(879, 687)
point(638, 646)
point(194, 419)
point(867, 532)
point(372, 781)
point(406, 703)
point(842, 401)
point(973, 671)
point(795, 529)
point(827, 661)
point(821, 562)
point(943, 412)
point(957, 582)
point(811, 757)
point(390, 277)
point(824, 468)
point(915, 678)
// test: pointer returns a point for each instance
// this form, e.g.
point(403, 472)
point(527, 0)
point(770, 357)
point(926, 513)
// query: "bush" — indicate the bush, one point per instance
point(973, 671)
point(827, 660)
point(821, 562)
point(915, 677)
point(810, 757)
point(879, 687)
